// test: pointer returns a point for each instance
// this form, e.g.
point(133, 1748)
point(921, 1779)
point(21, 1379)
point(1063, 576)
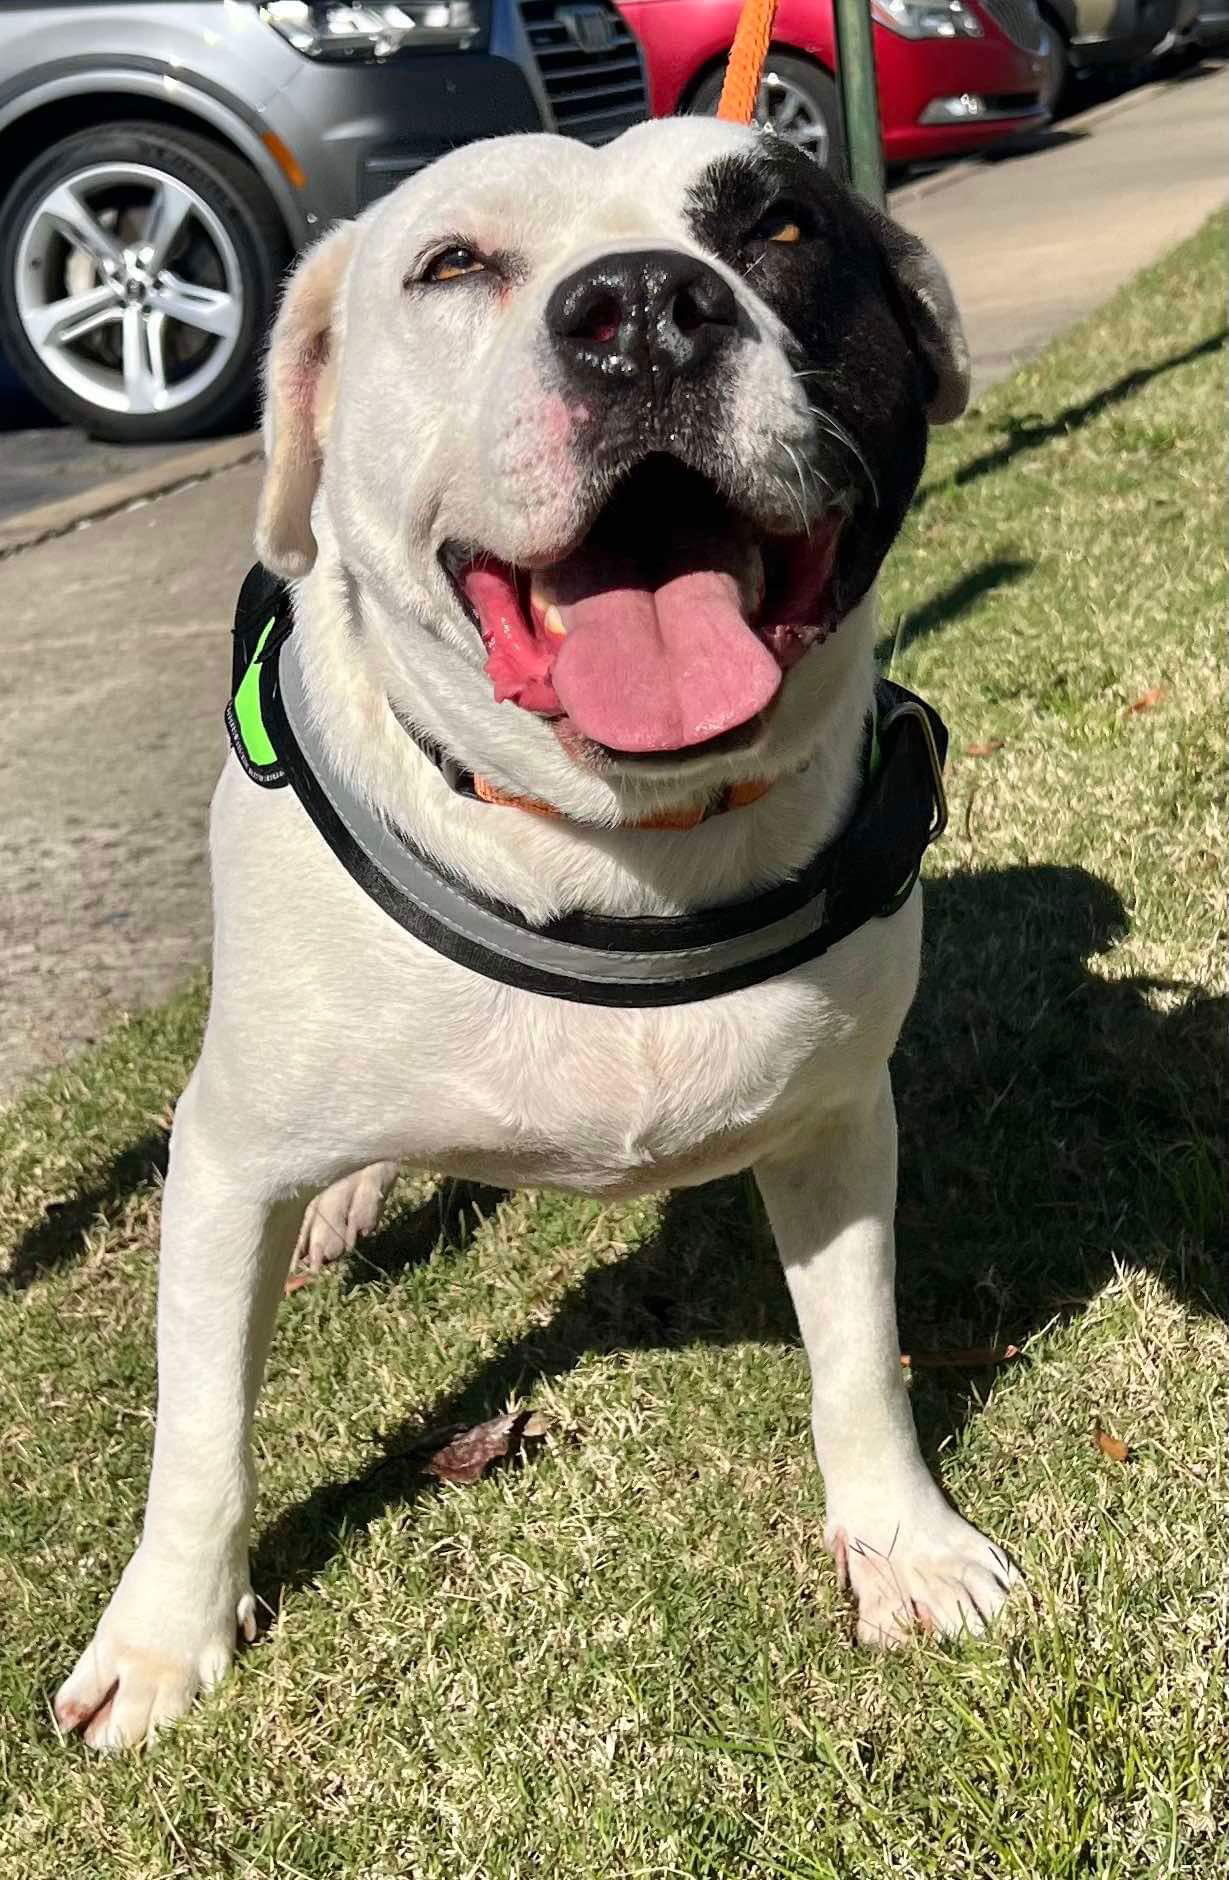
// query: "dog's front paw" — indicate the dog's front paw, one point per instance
point(166, 1634)
point(925, 1571)
point(339, 1218)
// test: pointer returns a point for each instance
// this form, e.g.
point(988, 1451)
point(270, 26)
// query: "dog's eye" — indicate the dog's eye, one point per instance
point(452, 264)
point(784, 222)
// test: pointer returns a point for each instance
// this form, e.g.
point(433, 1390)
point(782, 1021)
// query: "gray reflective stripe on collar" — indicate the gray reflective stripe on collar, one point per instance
point(481, 925)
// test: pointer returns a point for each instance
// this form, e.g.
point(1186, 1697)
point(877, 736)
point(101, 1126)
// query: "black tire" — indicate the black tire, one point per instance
point(810, 81)
point(236, 196)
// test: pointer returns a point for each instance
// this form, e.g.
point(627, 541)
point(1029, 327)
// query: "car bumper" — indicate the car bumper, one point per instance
point(915, 76)
point(381, 123)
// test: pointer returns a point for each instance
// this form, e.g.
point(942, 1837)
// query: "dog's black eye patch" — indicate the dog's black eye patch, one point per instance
point(740, 205)
point(813, 252)
point(729, 197)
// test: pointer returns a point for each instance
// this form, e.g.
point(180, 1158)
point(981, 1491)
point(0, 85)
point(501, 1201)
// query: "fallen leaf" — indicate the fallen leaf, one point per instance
point(297, 1280)
point(959, 1356)
point(1147, 700)
point(1111, 1446)
point(985, 749)
point(468, 1454)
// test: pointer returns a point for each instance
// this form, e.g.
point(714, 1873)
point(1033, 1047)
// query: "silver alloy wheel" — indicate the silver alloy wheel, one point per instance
point(129, 288)
point(784, 108)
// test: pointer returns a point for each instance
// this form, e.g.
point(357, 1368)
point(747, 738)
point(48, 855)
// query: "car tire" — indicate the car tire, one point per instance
point(794, 93)
point(156, 339)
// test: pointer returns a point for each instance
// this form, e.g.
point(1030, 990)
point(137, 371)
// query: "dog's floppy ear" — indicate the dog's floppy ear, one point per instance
point(299, 384)
point(926, 305)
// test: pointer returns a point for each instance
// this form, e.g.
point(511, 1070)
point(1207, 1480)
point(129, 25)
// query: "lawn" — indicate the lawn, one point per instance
point(625, 1654)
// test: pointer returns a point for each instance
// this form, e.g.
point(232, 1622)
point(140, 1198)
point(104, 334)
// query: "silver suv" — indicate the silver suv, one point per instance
point(167, 158)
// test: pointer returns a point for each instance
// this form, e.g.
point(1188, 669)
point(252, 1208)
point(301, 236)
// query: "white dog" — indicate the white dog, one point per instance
point(584, 463)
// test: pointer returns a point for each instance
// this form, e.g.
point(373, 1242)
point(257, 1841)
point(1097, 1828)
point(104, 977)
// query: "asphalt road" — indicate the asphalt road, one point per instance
point(42, 460)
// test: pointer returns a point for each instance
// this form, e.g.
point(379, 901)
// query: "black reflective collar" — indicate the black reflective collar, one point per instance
point(866, 872)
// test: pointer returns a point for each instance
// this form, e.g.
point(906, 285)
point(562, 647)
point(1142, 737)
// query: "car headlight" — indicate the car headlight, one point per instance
point(330, 29)
point(927, 19)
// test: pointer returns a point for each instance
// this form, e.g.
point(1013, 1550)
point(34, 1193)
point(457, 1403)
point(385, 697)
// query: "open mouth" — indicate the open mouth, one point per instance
point(668, 628)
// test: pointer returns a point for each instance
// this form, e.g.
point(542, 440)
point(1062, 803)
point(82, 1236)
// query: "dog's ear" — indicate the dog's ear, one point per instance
point(300, 377)
point(926, 305)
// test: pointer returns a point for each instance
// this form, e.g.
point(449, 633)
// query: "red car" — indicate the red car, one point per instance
point(953, 74)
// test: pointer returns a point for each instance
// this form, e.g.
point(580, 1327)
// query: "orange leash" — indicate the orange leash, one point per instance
point(745, 64)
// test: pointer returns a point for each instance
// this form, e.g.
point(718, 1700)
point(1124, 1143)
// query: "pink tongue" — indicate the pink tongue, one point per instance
point(659, 669)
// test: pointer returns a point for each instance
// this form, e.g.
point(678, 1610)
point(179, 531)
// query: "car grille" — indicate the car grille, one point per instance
point(1019, 19)
point(593, 95)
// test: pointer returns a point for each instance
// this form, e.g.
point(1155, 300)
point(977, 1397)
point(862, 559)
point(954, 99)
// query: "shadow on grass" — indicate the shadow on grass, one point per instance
point(59, 1237)
point(1029, 432)
point(449, 1217)
point(949, 604)
point(1051, 1121)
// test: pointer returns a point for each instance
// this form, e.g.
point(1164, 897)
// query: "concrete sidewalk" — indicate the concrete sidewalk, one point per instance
point(1033, 242)
point(116, 645)
point(115, 637)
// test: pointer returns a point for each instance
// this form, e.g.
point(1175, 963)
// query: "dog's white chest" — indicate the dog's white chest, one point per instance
point(621, 1101)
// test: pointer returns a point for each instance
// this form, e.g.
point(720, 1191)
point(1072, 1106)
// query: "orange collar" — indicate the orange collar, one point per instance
point(734, 796)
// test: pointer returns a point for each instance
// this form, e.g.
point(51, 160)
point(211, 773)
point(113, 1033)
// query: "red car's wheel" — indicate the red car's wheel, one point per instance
point(797, 100)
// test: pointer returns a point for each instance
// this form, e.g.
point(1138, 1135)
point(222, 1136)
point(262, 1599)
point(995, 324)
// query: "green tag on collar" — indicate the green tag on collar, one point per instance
point(248, 715)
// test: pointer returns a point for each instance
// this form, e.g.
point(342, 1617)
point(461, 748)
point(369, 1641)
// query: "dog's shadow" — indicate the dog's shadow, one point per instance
point(1053, 1120)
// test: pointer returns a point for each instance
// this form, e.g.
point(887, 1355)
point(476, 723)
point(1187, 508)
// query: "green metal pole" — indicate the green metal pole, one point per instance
point(855, 71)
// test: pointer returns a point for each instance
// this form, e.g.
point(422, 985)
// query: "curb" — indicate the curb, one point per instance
point(957, 171)
point(48, 520)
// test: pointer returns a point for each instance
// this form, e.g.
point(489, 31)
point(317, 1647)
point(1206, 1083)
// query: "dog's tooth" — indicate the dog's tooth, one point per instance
point(539, 599)
point(552, 620)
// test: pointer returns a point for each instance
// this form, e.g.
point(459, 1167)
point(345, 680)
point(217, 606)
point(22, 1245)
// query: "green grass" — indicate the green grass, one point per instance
point(626, 1656)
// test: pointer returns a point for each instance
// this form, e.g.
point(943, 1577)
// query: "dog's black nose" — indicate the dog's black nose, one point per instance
point(652, 316)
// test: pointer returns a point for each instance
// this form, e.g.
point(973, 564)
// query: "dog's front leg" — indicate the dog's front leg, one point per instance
point(909, 1558)
point(171, 1624)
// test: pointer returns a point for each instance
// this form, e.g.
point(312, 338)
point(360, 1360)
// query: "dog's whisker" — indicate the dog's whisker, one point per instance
point(794, 458)
point(790, 494)
point(839, 434)
point(837, 431)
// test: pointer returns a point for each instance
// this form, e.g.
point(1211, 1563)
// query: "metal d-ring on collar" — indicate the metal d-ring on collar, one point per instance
point(866, 872)
point(909, 706)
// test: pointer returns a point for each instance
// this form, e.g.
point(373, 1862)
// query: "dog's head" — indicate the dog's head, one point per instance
point(626, 433)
